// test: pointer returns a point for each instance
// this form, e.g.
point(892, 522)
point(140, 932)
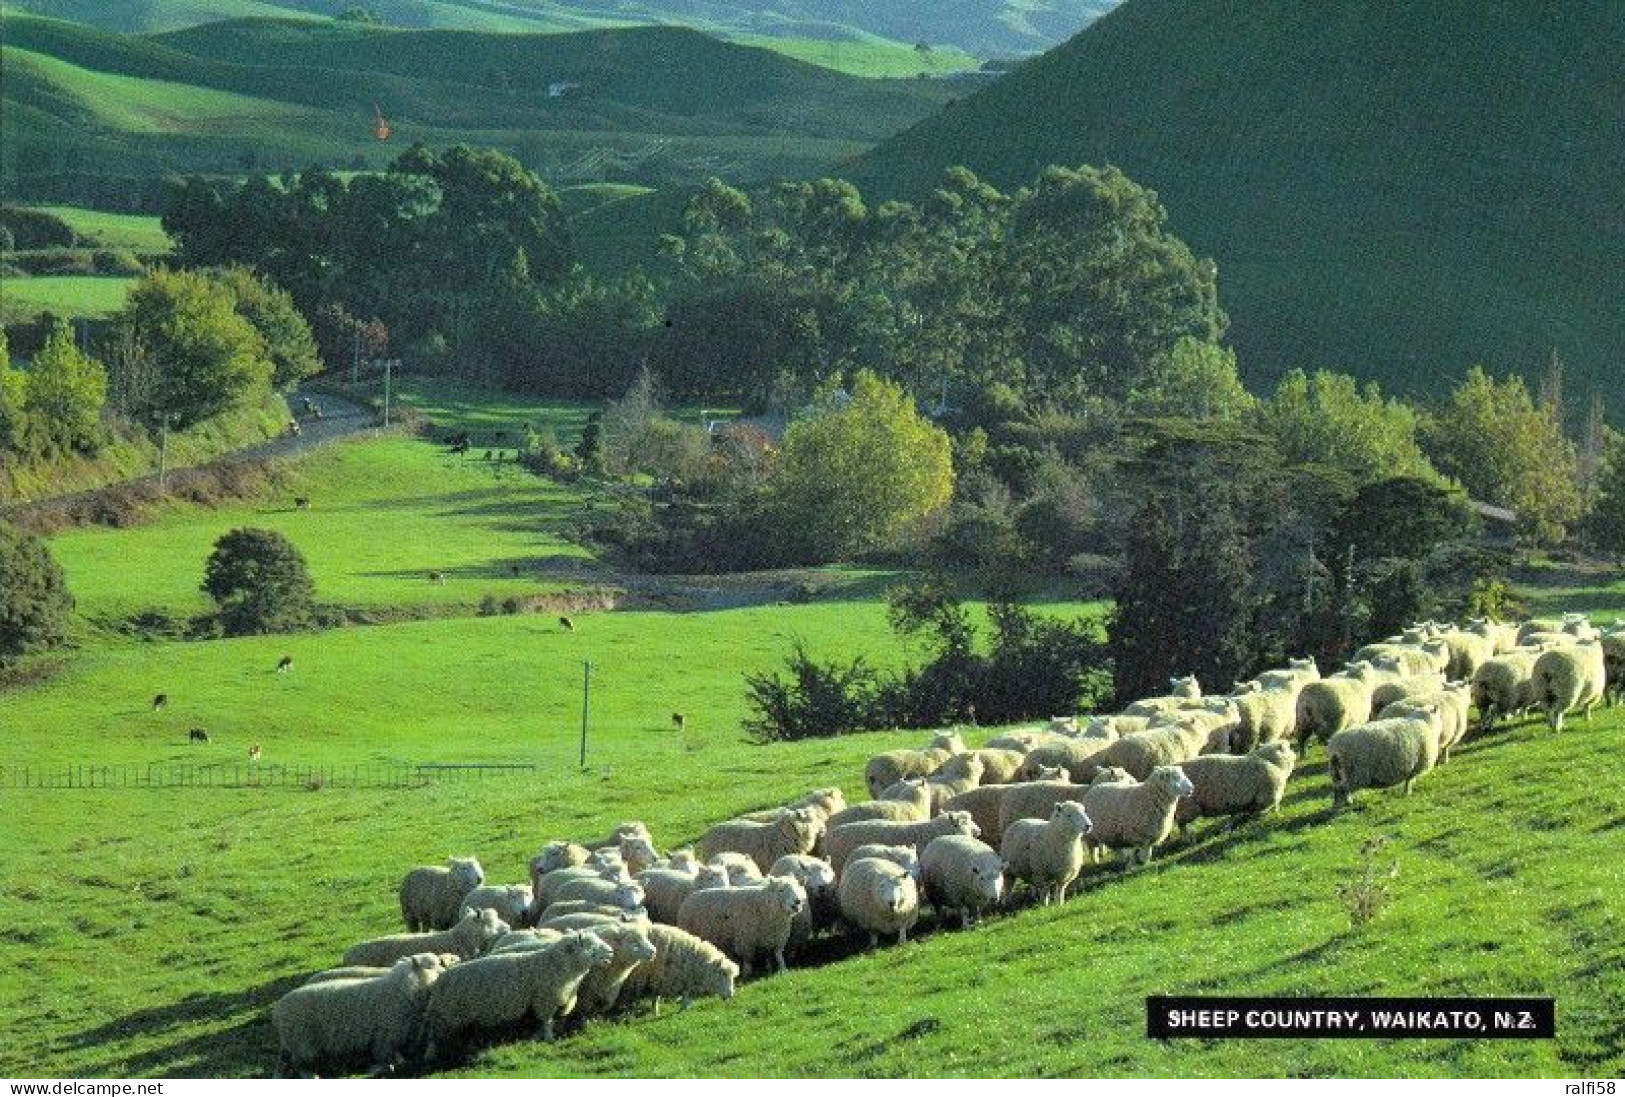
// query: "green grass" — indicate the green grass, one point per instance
point(114, 230)
point(1363, 183)
point(384, 515)
point(872, 57)
point(65, 295)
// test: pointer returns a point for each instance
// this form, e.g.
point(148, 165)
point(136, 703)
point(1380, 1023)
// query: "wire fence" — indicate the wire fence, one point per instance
point(254, 775)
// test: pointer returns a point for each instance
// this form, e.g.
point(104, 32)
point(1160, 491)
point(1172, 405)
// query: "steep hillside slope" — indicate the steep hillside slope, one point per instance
point(1396, 190)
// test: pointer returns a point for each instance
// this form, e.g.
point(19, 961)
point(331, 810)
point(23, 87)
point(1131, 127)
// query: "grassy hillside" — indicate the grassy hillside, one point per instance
point(97, 229)
point(259, 95)
point(1398, 191)
point(983, 27)
point(65, 295)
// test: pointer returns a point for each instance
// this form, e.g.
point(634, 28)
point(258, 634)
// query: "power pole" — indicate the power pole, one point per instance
point(586, 700)
point(163, 452)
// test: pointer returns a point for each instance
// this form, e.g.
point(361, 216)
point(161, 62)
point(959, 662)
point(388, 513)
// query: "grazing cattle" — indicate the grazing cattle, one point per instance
point(254, 753)
point(438, 578)
point(459, 442)
point(301, 502)
point(284, 664)
point(198, 735)
point(514, 569)
point(293, 428)
point(159, 702)
point(679, 721)
point(487, 455)
point(566, 624)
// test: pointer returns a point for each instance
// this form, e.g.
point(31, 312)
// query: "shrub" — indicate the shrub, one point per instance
point(814, 699)
point(1365, 895)
point(34, 598)
point(260, 583)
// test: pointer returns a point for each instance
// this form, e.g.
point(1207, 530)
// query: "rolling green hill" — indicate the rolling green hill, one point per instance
point(653, 104)
point(982, 27)
point(1398, 190)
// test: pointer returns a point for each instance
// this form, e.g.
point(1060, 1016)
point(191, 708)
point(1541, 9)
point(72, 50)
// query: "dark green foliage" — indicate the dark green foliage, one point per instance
point(1397, 592)
point(260, 583)
point(1040, 666)
point(1404, 518)
point(289, 343)
point(34, 599)
point(32, 229)
point(815, 701)
point(1607, 527)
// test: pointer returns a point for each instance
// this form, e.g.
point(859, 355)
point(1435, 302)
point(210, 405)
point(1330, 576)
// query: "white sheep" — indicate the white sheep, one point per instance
point(825, 801)
point(1330, 704)
point(1579, 626)
point(1236, 784)
point(1570, 679)
point(914, 807)
point(632, 828)
point(1022, 741)
point(1264, 713)
point(906, 858)
point(795, 832)
point(630, 946)
point(1166, 744)
point(747, 920)
point(1400, 688)
point(1033, 800)
point(740, 868)
point(637, 854)
point(1468, 651)
point(1113, 727)
point(664, 890)
point(841, 841)
point(534, 937)
point(1136, 817)
point(684, 967)
point(1537, 625)
point(878, 897)
point(431, 894)
point(961, 875)
point(472, 935)
point(341, 1023)
point(630, 900)
point(885, 770)
point(1077, 758)
point(1503, 687)
point(556, 855)
point(498, 991)
point(546, 888)
point(999, 765)
point(1047, 854)
point(1451, 703)
point(1502, 637)
point(367, 971)
point(1382, 753)
point(943, 788)
point(513, 904)
point(1294, 676)
point(983, 805)
point(817, 879)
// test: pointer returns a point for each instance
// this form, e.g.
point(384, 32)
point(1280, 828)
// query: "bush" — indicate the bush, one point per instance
point(260, 583)
point(814, 700)
point(34, 598)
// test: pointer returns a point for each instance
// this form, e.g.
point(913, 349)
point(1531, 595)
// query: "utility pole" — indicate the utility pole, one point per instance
point(163, 452)
point(388, 365)
point(586, 699)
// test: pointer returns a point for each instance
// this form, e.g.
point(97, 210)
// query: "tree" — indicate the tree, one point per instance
point(65, 391)
point(209, 358)
point(1195, 380)
point(862, 467)
point(34, 598)
point(1402, 518)
point(289, 343)
point(260, 583)
point(13, 384)
point(1607, 528)
point(1328, 419)
point(1507, 450)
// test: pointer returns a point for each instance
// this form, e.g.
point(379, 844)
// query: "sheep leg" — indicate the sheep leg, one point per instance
point(1409, 781)
point(902, 935)
point(778, 959)
point(874, 941)
point(547, 1029)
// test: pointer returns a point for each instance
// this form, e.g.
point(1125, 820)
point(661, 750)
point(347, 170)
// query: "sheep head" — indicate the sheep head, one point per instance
point(960, 822)
point(1070, 814)
point(467, 872)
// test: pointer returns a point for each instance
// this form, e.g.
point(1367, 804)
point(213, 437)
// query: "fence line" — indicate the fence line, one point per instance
point(254, 775)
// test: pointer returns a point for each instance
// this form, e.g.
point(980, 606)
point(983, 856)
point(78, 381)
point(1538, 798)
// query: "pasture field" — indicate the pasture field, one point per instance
point(97, 228)
point(65, 295)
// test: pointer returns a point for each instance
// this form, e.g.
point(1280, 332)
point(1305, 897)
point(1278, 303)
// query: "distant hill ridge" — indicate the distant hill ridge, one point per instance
point(1397, 189)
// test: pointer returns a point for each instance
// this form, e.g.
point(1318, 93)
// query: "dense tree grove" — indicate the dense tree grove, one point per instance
point(34, 598)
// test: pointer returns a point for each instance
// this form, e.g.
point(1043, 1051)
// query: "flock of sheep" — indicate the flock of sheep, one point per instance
point(605, 924)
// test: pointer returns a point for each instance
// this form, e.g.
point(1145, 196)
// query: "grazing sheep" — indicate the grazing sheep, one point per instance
point(764, 843)
point(885, 770)
point(566, 624)
point(473, 934)
point(906, 858)
point(1502, 637)
point(1165, 744)
point(1264, 714)
point(1400, 688)
point(338, 1024)
point(983, 805)
point(1297, 674)
point(632, 828)
point(998, 764)
point(1236, 784)
point(679, 721)
point(629, 946)
point(664, 890)
point(610, 893)
point(1503, 687)
point(817, 879)
point(546, 887)
point(512, 904)
point(1382, 753)
point(747, 920)
point(963, 876)
point(431, 894)
point(1034, 800)
point(1468, 651)
point(841, 841)
point(1114, 727)
point(197, 735)
point(367, 971)
point(1327, 706)
point(498, 991)
point(1077, 758)
point(159, 701)
point(684, 967)
point(877, 896)
point(915, 808)
point(1022, 741)
point(1047, 854)
point(1570, 679)
point(740, 868)
point(825, 801)
point(553, 856)
point(1137, 817)
point(943, 788)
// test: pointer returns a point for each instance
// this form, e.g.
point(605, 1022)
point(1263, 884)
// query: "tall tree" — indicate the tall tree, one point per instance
point(34, 598)
point(65, 391)
point(1328, 419)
